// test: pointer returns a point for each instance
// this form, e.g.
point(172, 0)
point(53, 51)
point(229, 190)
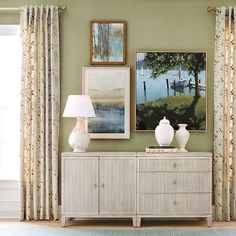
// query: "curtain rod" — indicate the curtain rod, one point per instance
point(211, 9)
point(60, 8)
point(214, 9)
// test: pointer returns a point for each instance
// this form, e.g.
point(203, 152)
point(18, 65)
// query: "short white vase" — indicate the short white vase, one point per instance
point(164, 133)
point(182, 137)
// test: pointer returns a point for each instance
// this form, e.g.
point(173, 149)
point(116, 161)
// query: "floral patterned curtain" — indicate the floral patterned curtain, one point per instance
point(225, 114)
point(40, 105)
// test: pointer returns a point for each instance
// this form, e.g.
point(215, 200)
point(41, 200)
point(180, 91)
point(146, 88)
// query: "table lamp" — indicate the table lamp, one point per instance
point(81, 107)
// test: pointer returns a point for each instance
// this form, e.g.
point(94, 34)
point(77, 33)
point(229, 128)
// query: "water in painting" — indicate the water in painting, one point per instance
point(171, 85)
point(107, 92)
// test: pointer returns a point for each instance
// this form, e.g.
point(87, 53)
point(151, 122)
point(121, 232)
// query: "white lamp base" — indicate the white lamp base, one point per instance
point(79, 138)
point(182, 149)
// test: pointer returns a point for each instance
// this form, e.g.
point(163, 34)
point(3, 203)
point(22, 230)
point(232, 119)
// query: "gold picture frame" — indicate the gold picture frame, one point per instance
point(157, 96)
point(108, 42)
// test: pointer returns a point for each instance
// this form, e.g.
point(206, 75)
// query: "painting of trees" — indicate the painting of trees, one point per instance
point(108, 42)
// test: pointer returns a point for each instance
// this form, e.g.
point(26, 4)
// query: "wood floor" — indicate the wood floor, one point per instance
point(109, 223)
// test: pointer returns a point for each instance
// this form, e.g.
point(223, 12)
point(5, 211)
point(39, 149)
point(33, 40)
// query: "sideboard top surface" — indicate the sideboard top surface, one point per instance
point(175, 154)
point(96, 154)
point(138, 154)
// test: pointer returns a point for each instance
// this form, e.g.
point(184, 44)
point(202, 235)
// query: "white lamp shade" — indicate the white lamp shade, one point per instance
point(79, 106)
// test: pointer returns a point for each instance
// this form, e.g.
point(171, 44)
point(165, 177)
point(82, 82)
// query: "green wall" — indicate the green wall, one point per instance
point(152, 25)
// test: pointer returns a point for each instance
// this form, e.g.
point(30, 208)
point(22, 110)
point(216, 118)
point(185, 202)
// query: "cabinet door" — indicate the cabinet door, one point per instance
point(117, 186)
point(80, 186)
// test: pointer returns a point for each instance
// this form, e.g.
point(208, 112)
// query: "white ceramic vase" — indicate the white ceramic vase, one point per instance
point(164, 133)
point(182, 137)
point(79, 141)
point(79, 138)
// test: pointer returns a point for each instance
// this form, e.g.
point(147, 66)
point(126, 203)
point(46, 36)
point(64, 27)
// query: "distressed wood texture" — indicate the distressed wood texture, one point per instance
point(178, 164)
point(80, 186)
point(98, 185)
point(174, 204)
point(117, 186)
point(136, 185)
point(174, 185)
point(174, 182)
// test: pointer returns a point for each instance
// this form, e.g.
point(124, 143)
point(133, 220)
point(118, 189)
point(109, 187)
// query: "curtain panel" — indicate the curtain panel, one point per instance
point(225, 114)
point(40, 111)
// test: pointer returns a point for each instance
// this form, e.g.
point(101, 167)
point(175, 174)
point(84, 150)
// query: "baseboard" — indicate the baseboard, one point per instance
point(9, 209)
point(9, 199)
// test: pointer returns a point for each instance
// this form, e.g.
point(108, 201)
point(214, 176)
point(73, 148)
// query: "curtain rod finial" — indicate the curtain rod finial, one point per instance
point(210, 9)
point(63, 8)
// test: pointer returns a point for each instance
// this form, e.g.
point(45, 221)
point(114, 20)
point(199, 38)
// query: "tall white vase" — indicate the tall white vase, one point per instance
point(164, 133)
point(182, 137)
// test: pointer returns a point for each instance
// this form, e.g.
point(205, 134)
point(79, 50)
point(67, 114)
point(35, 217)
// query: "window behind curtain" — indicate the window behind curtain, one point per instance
point(10, 102)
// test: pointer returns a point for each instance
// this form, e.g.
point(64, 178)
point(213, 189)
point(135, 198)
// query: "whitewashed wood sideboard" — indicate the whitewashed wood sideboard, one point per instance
point(136, 185)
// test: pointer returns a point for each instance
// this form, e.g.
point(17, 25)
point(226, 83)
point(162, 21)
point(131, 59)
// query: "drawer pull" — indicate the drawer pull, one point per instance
point(103, 185)
point(174, 165)
point(95, 185)
point(174, 182)
point(175, 202)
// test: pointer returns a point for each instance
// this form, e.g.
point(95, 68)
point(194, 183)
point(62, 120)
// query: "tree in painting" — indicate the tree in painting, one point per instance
point(195, 63)
point(161, 63)
point(107, 42)
point(101, 41)
point(171, 84)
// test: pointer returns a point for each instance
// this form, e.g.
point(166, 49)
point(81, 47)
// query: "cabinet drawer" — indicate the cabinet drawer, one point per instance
point(174, 164)
point(174, 182)
point(173, 204)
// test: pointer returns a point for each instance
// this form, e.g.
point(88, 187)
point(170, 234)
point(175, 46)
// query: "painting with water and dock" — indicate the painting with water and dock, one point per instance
point(171, 84)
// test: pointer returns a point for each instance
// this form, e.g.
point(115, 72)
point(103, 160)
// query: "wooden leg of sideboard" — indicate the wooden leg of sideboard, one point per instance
point(209, 221)
point(63, 221)
point(134, 220)
point(138, 221)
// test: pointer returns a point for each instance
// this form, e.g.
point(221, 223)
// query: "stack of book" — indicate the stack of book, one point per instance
point(158, 149)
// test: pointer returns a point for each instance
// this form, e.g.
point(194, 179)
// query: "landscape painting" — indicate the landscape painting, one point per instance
point(107, 42)
point(109, 89)
point(171, 84)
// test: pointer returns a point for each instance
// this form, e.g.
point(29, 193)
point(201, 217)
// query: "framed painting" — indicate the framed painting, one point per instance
point(171, 84)
point(109, 89)
point(108, 42)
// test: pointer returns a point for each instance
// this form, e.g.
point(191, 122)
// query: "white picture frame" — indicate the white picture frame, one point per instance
point(109, 89)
